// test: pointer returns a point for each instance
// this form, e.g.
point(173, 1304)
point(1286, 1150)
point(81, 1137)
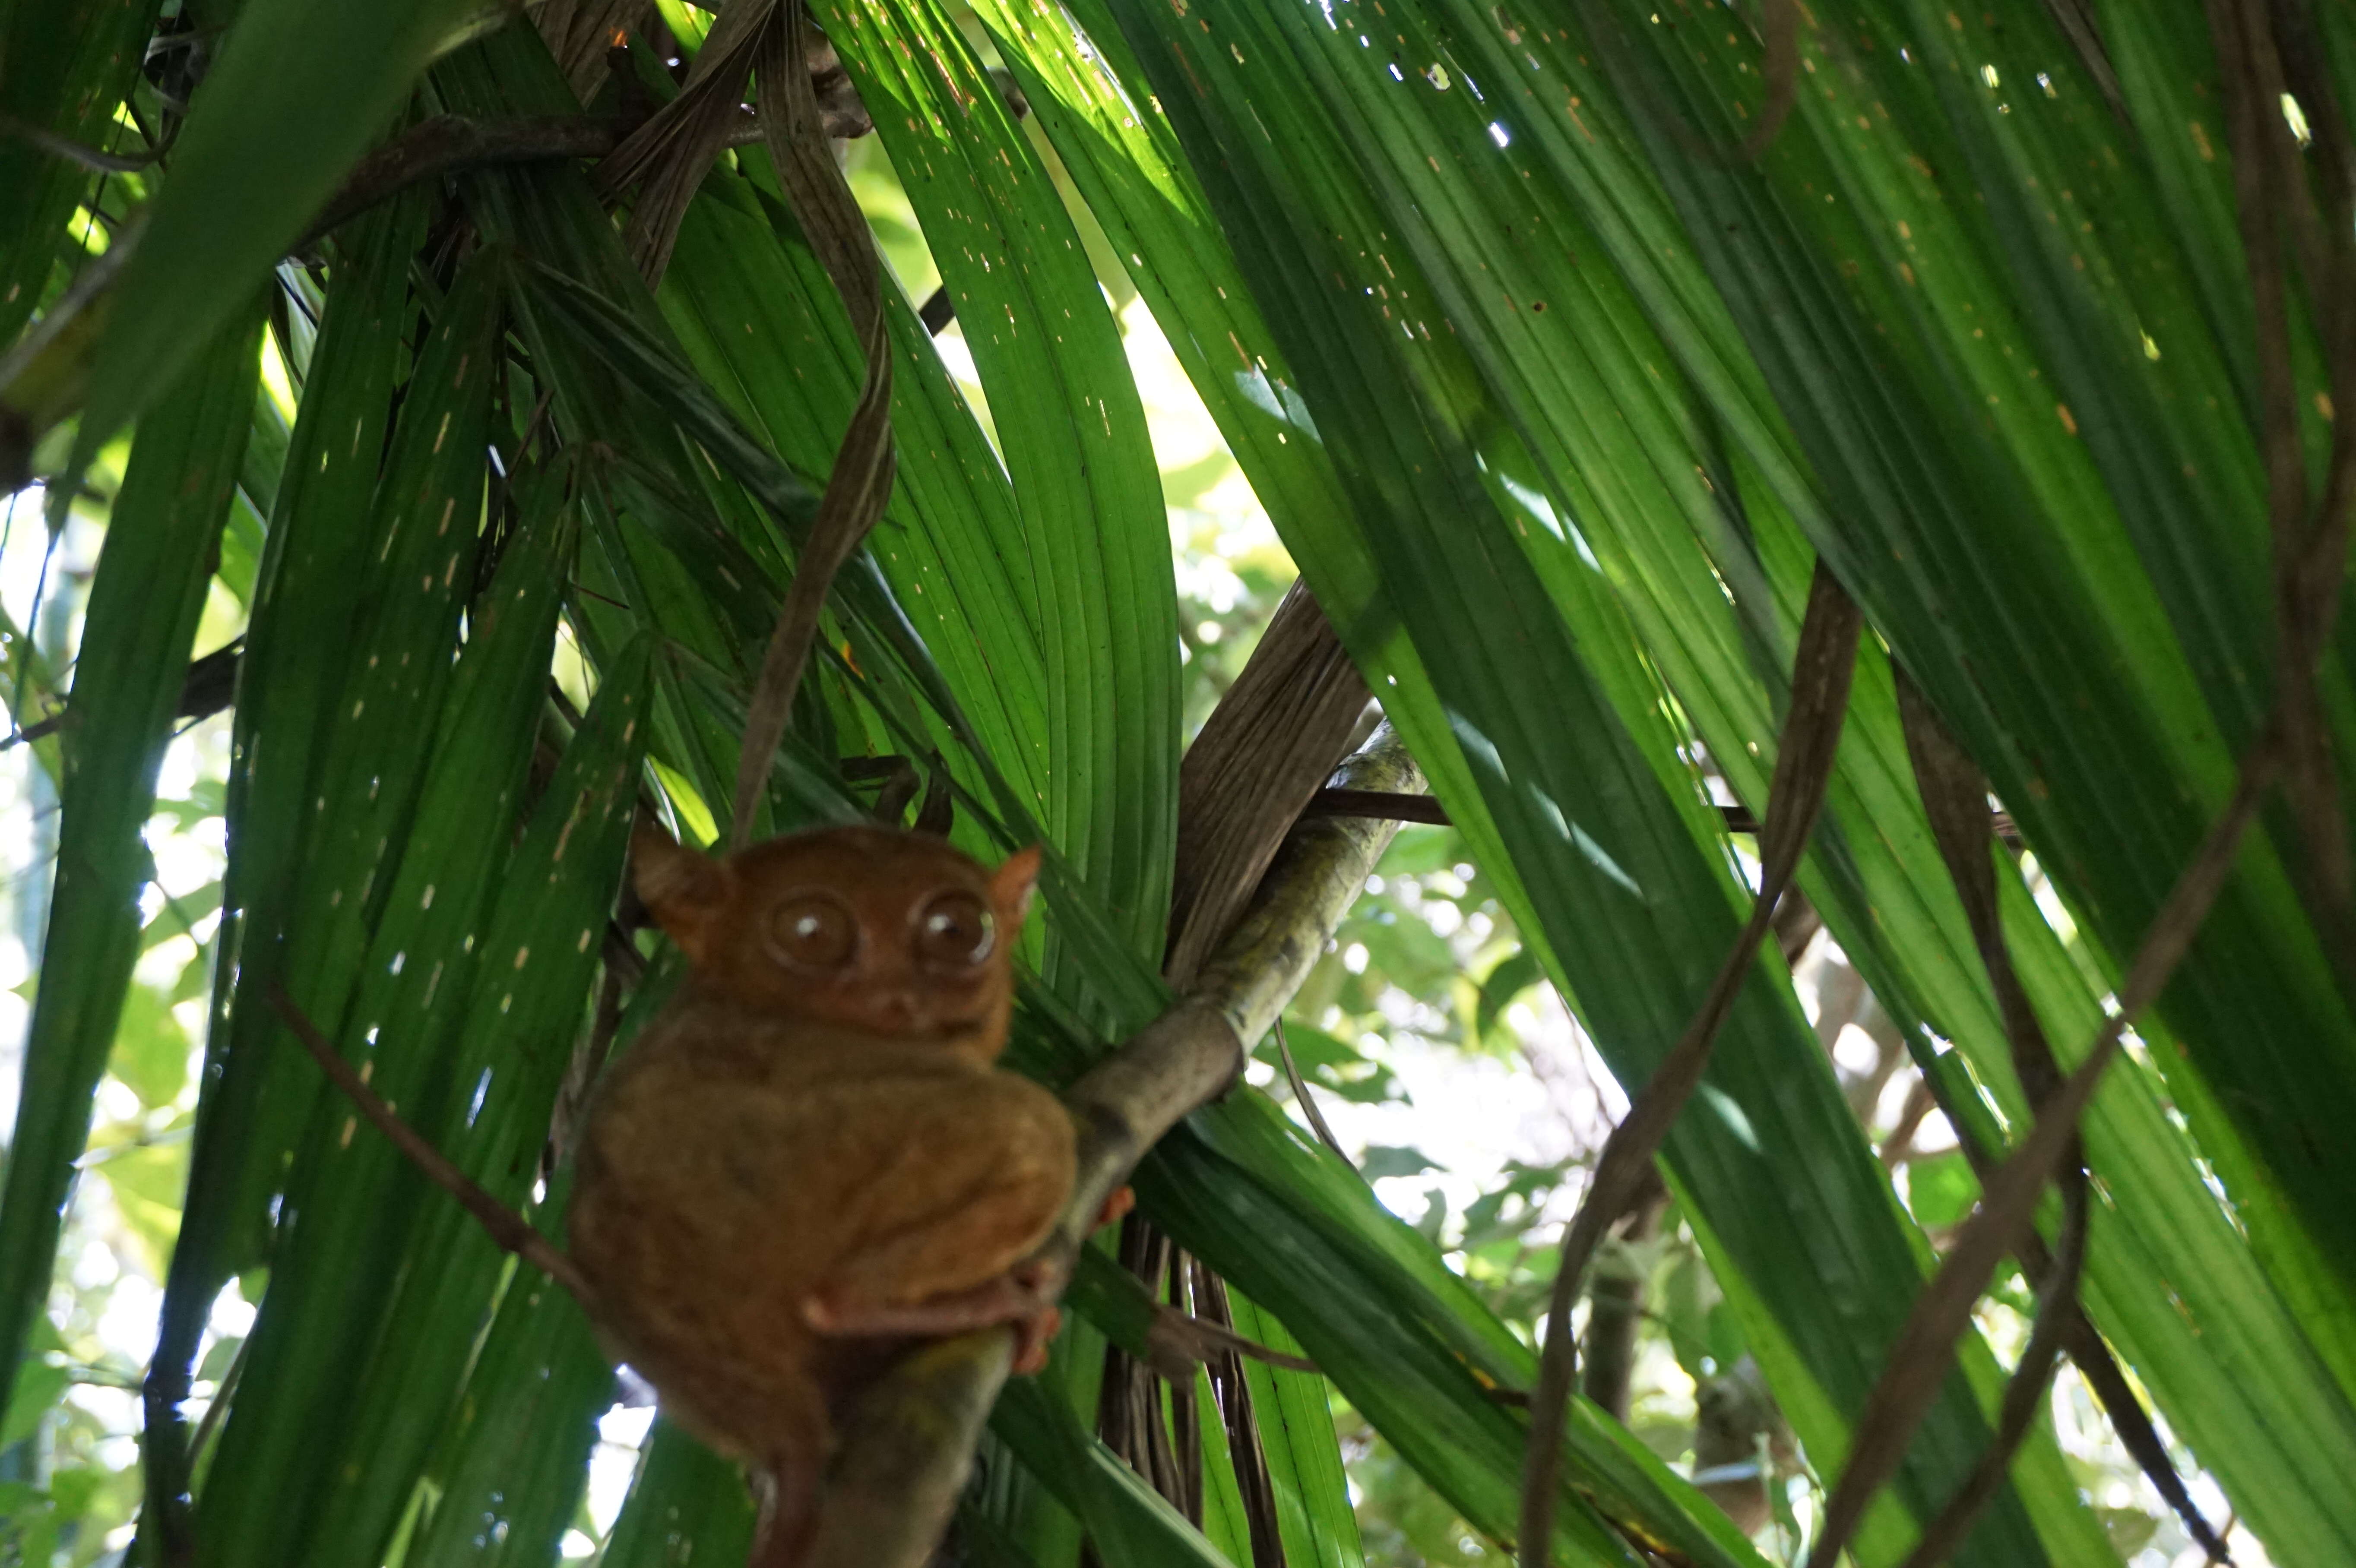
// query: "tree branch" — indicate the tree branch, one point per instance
point(908, 1442)
point(448, 143)
point(1412, 807)
point(210, 687)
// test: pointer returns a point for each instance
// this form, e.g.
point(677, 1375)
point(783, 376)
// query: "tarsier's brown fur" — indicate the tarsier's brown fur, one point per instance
point(808, 1156)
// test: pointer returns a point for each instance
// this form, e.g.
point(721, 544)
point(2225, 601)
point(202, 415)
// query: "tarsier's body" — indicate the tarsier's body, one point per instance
point(808, 1156)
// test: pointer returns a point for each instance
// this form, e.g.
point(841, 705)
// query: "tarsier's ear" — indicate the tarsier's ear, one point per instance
point(1011, 887)
point(681, 889)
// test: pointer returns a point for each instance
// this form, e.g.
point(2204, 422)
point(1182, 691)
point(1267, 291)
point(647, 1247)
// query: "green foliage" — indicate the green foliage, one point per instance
point(1553, 401)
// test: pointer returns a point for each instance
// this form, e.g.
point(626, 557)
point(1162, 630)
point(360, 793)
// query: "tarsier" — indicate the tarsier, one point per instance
point(809, 1157)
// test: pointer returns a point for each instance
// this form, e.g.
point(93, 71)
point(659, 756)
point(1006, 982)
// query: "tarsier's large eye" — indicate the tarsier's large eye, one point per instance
point(954, 931)
point(814, 932)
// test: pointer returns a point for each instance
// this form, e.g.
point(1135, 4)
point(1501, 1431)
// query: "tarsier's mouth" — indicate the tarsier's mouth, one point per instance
point(923, 1027)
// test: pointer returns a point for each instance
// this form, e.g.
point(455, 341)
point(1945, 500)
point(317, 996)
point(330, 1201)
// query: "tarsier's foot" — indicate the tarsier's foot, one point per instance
point(1032, 1336)
point(1122, 1200)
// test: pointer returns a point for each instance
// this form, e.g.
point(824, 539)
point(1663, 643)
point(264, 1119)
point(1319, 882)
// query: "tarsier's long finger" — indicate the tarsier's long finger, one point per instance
point(1032, 1336)
point(1116, 1207)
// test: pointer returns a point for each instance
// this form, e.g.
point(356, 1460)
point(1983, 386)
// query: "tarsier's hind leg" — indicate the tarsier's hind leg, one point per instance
point(1024, 1296)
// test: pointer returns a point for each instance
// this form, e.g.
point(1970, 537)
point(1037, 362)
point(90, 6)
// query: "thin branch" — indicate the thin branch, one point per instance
point(1899, 1146)
point(210, 687)
point(2309, 567)
point(860, 485)
point(1379, 806)
point(2270, 195)
point(510, 1230)
point(2080, 1340)
point(1615, 1306)
point(1232, 1398)
point(1918, 1360)
point(1198, 1339)
point(1421, 808)
point(219, 1406)
point(1308, 1104)
point(1821, 672)
point(454, 144)
point(1954, 796)
point(74, 151)
point(2024, 1395)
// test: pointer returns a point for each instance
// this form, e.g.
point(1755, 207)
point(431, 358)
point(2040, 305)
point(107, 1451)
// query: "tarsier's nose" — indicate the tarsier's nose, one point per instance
point(899, 1008)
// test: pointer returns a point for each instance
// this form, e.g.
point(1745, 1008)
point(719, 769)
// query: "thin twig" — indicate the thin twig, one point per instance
point(219, 1406)
point(1198, 1338)
point(454, 144)
point(66, 147)
point(510, 1230)
point(1899, 1146)
point(2270, 195)
point(1381, 805)
point(1918, 1360)
point(1778, 26)
point(1308, 1106)
point(210, 687)
point(1822, 668)
point(1954, 796)
point(1231, 1395)
point(860, 485)
point(2084, 1345)
point(2024, 1395)
point(1385, 806)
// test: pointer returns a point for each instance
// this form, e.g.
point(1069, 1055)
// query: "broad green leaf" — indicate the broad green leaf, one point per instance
point(758, 319)
point(511, 1458)
point(142, 619)
point(1095, 544)
point(1403, 1338)
point(353, 1207)
point(516, 1457)
point(685, 1506)
point(151, 1049)
point(1885, 901)
point(1295, 1419)
point(1127, 1521)
point(417, 558)
point(300, 88)
point(311, 585)
point(1614, 815)
point(68, 69)
point(1936, 487)
point(1975, 327)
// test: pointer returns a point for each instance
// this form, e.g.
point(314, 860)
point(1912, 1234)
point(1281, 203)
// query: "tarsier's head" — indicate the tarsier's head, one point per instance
point(892, 934)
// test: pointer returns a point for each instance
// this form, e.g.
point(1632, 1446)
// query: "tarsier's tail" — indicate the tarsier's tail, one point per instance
point(788, 1494)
